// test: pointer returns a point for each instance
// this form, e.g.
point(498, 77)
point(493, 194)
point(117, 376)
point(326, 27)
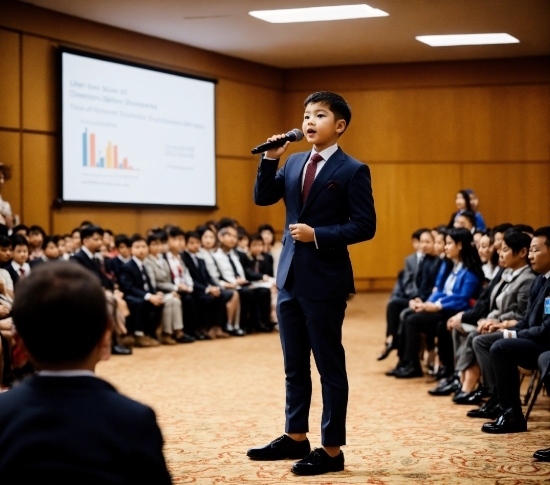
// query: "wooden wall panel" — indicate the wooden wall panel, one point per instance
point(38, 167)
point(10, 149)
point(40, 98)
point(9, 79)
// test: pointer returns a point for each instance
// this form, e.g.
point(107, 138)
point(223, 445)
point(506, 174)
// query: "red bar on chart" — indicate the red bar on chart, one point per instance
point(92, 149)
point(115, 157)
point(109, 155)
point(125, 163)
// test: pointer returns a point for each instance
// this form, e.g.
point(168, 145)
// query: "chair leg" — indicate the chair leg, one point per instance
point(534, 399)
point(530, 388)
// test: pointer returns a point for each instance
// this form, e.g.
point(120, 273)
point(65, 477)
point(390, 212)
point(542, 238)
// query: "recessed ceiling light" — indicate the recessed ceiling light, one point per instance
point(318, 14)
point(466, 39)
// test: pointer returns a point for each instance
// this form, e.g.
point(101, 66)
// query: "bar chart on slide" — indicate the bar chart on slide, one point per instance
point(106, 156)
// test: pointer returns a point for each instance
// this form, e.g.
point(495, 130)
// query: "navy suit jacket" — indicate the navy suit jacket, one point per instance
point(201, 276)
point(131, 282)
point(83, 259)
point(77, 430)
point(339, 207)
point(535, 325)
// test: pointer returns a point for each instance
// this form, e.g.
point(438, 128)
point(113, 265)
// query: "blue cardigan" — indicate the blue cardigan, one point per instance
point(466, 287)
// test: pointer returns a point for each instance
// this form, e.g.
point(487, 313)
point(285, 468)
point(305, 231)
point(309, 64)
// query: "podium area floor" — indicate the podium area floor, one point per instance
point(215, 399)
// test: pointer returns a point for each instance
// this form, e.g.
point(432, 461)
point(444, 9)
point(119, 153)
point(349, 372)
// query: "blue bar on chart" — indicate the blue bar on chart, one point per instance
point(85, 147)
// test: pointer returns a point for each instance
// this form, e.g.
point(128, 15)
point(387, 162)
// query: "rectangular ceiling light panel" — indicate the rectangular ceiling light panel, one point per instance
point(466, 39)
point(318, 14)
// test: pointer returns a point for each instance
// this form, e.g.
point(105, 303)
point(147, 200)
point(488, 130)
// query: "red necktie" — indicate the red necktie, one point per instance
point(22, 271)
point(310, 175)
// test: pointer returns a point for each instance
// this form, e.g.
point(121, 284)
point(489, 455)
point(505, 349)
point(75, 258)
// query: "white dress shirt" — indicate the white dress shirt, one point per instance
point(179, 271)
point(326, 154)
point(17, 268)
point(224, 266)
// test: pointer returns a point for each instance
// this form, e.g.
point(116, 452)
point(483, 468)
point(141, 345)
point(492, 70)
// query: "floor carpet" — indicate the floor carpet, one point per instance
point(215, 399)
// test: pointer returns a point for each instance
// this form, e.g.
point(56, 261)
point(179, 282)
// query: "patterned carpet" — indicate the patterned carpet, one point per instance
point(215, 399)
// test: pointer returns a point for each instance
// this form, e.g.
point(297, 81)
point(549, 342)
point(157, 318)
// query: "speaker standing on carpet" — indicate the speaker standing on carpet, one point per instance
point(329, 205)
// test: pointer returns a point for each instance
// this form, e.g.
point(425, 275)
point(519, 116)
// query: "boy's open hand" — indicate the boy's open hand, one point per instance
point(276, 153)
point(302, 232)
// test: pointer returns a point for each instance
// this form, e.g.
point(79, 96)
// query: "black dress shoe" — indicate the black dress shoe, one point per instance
point(508, 422)
point(443, 372)
point(490, 410)
point(408, 372)
point(117, 349)
point(391, 373)
point(282, 448)
point(387, 351)
point(198, 336)
point(542, 455)
point(237, 332)
point(473, 397)
point(185, 339)
point(318, 462)
point(263, 328)
point(446, 386)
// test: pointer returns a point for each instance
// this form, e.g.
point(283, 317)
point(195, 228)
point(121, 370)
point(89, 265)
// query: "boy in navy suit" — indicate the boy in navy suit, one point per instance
point(64, 425)
point(329, 205)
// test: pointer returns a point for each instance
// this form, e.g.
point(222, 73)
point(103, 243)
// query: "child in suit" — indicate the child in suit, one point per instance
point(50, 251)
point(329, 205)
point(19, 266)
point(99, 435)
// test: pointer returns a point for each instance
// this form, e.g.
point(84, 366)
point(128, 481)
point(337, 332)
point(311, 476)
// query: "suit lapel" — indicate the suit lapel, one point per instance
point(331, 165)
point(298, 171)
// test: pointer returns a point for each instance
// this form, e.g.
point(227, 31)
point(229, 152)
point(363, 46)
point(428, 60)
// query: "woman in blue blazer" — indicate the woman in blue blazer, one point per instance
point(459, 280)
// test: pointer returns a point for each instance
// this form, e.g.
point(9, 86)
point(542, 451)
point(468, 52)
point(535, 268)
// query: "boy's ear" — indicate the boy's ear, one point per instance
point(341, 126)
point(104, 345)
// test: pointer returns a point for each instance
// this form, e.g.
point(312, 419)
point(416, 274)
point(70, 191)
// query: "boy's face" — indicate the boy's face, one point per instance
point(464, 222)
point(426, 244)
point(320, 126)
point(36, 239)
point(243, 243)
point(154, 247)
point(69, 246)
point(77, 242)
point(140, 250)
point(62, 247)
point(176, 244)
point(20, 254)
point(51, 251)
point(229, 238)
point(256, 248)
point(193, 245)
point(5, 254)
point(124, 251)
point(93, 243)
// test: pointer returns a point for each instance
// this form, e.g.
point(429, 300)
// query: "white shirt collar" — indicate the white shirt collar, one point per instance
point(547, 275)
point(327, 152)
point(87, 252)
point(124, 260)
point(66, 373)
point(138, 262)
point(519, 270)
point(17, 266)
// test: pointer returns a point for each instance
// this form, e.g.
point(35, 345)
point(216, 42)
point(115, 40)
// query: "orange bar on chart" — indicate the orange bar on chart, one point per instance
point(125, 162)
point(109, 156)
point(115, 157)
point(92, 149)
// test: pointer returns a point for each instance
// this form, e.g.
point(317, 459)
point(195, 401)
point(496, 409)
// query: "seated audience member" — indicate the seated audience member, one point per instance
point(271, 246)
point(109, 241)
point(474, 204)
point(243, 240)
point(466, 219)
point(62, 246)
point(5, 251)
point(409, 285)
point(544, 363)
point(77, 241)
point(6, 282)
point(92, 237)
point(206, 251)
point(19, 267)
point(524, 228)
point(159, 272)
point(498, 234)
point(50, 251)
point(254, 301)
point(457, 283)
point(210, 299)
point(122, 245)
point(500, 306)
point(36, 239)
point(20, 230)
point(488, 255)
point(519, 345)
point(64, 425)
point(463, 203)
point(6, 215)
point(69, 246)
point(181, 278)
point(145, 302)
point(478, 234)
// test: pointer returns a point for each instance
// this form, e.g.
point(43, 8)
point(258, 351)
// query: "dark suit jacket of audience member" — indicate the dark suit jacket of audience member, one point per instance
point(256, 269)
point(82, 258)
point(482, 306)
point(535, 325)
point(77, 430)
point(14, 276)
point(131, 282)
point(427, 275)
point(113, 265)
point(201, 276)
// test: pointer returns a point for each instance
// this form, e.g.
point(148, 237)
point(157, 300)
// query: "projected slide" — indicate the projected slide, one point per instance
point(133, 135)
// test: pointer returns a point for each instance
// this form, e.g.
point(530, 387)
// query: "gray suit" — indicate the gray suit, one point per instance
point(406, 287)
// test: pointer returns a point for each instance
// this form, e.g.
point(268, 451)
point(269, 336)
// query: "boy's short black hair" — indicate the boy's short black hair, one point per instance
point(89, 231)
point(5, 242)
point(266, 227)
point(175, 231)
point(192, 234)
point(20, 227)
point(49, 239)
point(202, 229)
point(159, 236)
point(255, 237)
point(122, 239)
point(502, 227)
point(18, 240)
point(36, 230)
point(416, 234)
point(75, 230)
point(338, 105)
point(226, 222)
point(46, 306)
point(108, 231)
point(470, 215)
point(242, 233)
point(83, 224)
point(137, 238)
point(523, 228)
point(543, 232)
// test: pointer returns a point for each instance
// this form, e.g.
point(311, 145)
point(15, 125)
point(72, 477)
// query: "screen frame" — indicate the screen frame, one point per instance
point(60, 201)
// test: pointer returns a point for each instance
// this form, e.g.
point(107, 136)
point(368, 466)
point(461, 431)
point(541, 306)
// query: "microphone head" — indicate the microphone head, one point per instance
point(295, 135)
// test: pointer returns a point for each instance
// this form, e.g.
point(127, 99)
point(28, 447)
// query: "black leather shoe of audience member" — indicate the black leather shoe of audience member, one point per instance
point(319, 462)
point(509, 421)
point(391, 373)
point(443, 372)
point(237, 332)
point(263, 328)
point(408, 372)
point(120, 350)
point(542, 455)
point(386, 352)
point(490, 410)
point(185, 339)
point(446, 386)
point(473, 397)
point(281, 448)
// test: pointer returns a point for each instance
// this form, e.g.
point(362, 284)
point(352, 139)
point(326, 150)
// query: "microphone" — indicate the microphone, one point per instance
point(294, 135)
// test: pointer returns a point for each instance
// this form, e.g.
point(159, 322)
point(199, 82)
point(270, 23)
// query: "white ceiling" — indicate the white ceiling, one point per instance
point(224, 26)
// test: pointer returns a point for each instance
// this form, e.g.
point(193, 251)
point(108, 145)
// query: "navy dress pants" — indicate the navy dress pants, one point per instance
point(313, 326)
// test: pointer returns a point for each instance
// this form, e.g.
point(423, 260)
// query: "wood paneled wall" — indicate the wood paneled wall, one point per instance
point(426, 130)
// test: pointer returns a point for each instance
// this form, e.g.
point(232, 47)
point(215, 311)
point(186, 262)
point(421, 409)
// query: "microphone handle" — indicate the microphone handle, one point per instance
point(269, 145)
